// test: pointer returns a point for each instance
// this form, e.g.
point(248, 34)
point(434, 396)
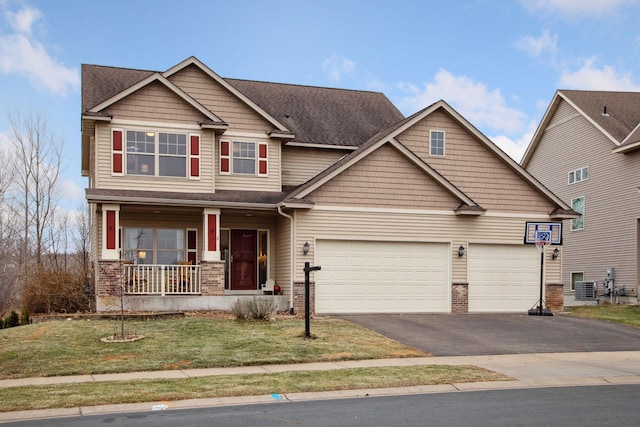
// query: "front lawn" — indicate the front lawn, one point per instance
point(73, 347)
point(627, 314)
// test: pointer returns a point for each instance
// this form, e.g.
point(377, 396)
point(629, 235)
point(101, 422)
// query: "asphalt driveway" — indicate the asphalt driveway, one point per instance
point(483, 334)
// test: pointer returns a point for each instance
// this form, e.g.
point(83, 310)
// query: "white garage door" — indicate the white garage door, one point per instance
point(503, 278)
point(381, 277)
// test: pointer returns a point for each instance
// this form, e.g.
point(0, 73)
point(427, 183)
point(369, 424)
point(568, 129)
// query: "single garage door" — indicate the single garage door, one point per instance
point(381, 277)
point(503, 278)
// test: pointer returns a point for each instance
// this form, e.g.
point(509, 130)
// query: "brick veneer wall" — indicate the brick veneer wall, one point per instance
point(110, 278)
point(554, 297)
point(298, 297)
point(459, 298)
point(212, 278)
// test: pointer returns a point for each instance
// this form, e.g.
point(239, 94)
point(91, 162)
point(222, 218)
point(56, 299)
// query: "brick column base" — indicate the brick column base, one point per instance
point(110, 278)
point(554, 296)
point(212, 277)
point(459, 298)
point(299, 297)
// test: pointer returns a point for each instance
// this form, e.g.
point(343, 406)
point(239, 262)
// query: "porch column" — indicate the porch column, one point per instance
point(110, 231)
point(211, 227)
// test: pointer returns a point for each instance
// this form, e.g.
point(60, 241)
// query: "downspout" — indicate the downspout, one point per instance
point(292, 264)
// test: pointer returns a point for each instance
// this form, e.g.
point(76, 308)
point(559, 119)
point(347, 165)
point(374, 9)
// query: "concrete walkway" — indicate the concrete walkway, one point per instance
point(528, 370)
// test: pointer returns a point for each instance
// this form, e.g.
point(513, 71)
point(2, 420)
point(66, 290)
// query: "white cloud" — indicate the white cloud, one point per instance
point(590, 77)
point(546, 44)
point(515, 148)
point(338, 66)
point(22, 20)
point(70, 191)
point(577, 7)
point(483, 107)
point(22, 54)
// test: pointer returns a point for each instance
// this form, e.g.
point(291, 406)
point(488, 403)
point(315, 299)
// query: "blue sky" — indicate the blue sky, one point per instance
point(498, 62)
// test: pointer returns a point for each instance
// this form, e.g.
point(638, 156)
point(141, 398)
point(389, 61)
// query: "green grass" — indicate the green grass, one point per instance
point(74, 347)
point(627, 314)
point(89, 394)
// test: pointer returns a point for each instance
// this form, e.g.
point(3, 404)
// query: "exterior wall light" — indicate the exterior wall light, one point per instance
point(460, 251)
point(555, 254)
point(305, 248)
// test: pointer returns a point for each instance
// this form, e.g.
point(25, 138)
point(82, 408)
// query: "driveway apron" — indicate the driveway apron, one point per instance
point(485, 334)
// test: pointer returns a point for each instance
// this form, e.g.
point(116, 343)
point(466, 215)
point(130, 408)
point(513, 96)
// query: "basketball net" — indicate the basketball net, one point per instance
point(542, 244)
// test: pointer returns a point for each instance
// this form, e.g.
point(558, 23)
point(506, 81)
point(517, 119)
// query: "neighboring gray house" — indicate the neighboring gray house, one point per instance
point(587, 151)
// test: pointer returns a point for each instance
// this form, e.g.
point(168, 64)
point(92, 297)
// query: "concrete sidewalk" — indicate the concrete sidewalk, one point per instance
point(528, 370)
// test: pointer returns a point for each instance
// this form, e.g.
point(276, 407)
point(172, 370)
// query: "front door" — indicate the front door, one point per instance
point(244, 260)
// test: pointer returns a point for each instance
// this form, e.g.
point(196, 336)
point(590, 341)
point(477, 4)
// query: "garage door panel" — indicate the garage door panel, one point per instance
point(503, 278)
point(383, 277)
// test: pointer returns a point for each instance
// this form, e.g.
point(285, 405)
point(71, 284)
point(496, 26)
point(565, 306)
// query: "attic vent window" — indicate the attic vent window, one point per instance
point(604, 112)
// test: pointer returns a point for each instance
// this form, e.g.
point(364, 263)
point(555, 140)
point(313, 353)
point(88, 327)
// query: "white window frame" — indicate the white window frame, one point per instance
point(151, 253)
point(257, 159)
point(572, 176)
point(156, 152)
point(573, 221)
point(572, 285)
point(431, 141)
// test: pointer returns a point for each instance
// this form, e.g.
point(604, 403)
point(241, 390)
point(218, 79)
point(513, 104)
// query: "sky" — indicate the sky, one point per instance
point(497, 62)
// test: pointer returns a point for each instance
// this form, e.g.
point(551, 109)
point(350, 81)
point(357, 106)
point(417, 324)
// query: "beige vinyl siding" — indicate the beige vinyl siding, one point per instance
point(282, 254)
point(385, 178)
point(473, 168)
point(563, 113)
point(299, 164)
point(407, 226)
point(271, 182)
point(204, 184)
point(612, 200)
point(219, 100)
point(155, 102)
point(459, 264)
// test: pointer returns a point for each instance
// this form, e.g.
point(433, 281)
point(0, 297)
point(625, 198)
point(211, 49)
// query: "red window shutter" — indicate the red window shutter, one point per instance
point(117, 151)
point(194, 153)
point(212, 232)
point(224, 157)
point(111, 230)
point(262, 159)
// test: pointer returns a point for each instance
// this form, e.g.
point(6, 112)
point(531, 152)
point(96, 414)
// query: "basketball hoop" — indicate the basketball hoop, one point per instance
point(543, 239)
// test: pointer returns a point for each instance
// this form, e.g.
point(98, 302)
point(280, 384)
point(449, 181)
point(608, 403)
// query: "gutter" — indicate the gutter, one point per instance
point(292, 249)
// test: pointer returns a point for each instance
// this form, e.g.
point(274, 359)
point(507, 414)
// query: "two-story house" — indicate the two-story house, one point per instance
point(203, 190)
point(586, 150)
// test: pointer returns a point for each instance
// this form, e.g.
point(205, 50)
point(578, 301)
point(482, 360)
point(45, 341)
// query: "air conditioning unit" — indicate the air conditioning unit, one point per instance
point(586, 291)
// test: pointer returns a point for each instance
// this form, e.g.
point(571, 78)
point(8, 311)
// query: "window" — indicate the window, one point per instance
point(156, 153)
point(155, 246)
point(436, 143)
point(243, 158)
point(577, 205)
point(579, 175)
point(576, 277)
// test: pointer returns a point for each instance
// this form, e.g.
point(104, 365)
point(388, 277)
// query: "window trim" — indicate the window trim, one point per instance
point(571, 175)
point(444, 142)
point(191, 157)
point(154, 249)
point(572, 283)
point(582, 214)
point(226, 157)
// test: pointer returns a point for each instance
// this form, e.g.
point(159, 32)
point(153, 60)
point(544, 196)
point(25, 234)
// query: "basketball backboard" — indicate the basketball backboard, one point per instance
point(549, 231)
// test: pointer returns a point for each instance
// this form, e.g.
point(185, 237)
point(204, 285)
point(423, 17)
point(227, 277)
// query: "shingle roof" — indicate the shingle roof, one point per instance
point(323, 115)
point(622, 110)
point(219, 197)
point(315, 114)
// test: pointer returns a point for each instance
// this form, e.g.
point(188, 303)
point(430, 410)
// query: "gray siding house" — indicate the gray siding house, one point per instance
point(587, 151)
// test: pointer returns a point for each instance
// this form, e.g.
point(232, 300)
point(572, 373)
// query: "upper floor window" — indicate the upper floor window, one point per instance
point(577, 205)
point(243, 157)
point(153, 153)
point(436, 143)
point(579, 175)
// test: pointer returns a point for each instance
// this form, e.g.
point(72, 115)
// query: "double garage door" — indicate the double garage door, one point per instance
point(414, 277)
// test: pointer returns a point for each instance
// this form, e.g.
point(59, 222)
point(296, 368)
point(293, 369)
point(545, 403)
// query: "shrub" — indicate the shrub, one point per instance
point(256, 309)
point(55, 292)
point(24, 318)
point(12, 320)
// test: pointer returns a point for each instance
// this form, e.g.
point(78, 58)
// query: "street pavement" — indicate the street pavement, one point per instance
point(534, 370)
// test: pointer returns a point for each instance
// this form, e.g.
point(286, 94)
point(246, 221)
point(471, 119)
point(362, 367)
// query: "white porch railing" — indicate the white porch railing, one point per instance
point(151, 279)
